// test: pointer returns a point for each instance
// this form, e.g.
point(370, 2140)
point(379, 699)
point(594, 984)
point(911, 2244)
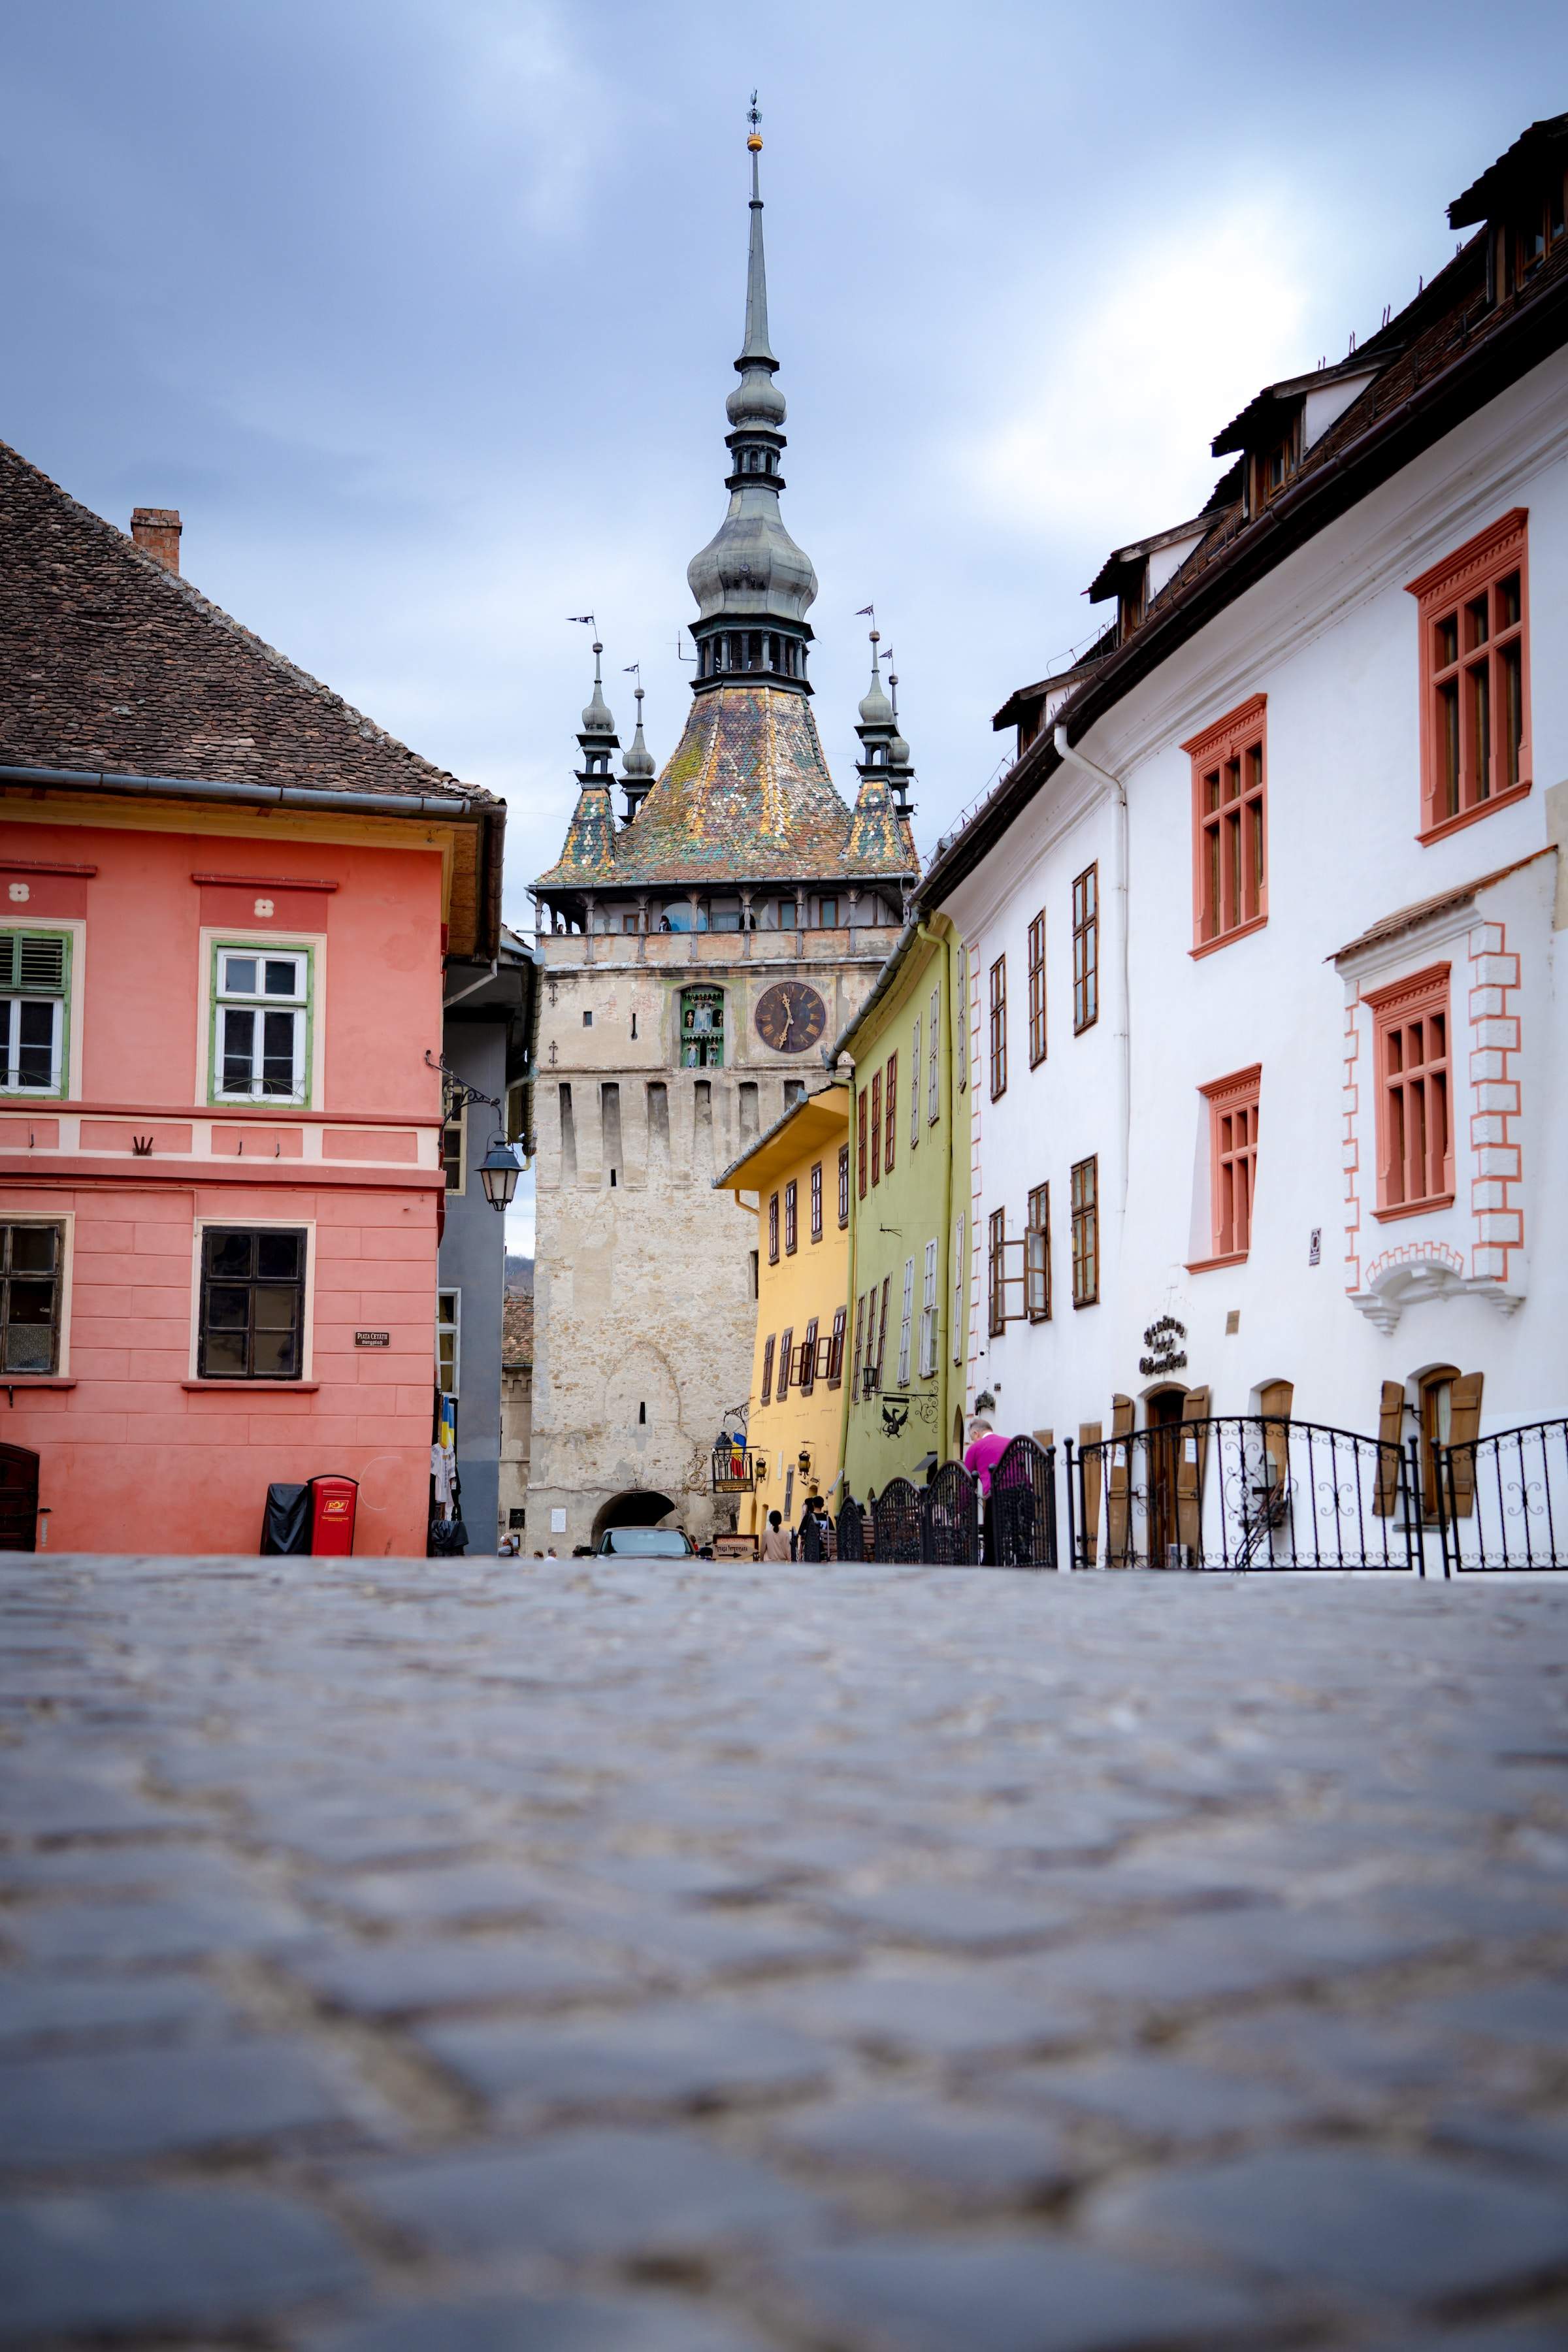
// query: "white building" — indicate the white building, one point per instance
point(1264, 927)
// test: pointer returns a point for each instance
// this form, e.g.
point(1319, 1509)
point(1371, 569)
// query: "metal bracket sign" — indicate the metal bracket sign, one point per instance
point(1163, 1340)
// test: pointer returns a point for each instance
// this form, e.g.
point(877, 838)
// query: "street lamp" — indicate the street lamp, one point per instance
point(500, 1168)
point(499, 1173)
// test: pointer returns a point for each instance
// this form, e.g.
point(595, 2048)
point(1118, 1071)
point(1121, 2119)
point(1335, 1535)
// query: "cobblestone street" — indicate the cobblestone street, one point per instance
point(450, 1955)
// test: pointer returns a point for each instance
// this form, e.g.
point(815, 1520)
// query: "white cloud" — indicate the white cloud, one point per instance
point(1109, 402)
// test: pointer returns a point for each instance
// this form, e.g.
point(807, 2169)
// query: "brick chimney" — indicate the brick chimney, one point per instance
point(156, 530)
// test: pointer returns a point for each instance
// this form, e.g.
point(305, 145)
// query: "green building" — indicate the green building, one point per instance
point(909, 1171)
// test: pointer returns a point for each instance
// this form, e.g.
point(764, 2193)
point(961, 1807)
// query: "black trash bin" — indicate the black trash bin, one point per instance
point(286, 1522)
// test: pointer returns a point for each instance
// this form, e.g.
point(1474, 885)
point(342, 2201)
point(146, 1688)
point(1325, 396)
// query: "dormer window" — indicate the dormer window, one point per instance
point(1272, 465)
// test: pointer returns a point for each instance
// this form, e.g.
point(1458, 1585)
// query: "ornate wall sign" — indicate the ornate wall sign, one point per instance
point(1163, 1341)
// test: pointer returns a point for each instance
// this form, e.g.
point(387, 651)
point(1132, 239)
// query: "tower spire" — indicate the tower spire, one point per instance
point(756, 351)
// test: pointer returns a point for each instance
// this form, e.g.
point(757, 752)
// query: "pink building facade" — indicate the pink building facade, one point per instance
point(221, 1167)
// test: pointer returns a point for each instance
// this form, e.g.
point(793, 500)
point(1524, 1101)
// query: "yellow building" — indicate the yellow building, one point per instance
point(795, 1181)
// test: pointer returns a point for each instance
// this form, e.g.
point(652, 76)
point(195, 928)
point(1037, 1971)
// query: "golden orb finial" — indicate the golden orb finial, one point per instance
point(755, 143)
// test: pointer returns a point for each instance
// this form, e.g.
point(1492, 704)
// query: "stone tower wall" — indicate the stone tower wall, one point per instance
point(644, 1306)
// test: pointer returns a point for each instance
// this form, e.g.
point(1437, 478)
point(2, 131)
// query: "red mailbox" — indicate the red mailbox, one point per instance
point(332, 1504)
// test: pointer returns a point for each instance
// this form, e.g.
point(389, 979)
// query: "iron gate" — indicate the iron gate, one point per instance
point(949, 1518)
point(851, 1529)
point(897, 1524)
point(1244, 1491)
point(1023, 1507)
point(1502, 1501)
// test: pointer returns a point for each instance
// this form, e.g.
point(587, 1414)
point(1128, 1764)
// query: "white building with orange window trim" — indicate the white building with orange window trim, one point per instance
point(1264, 927)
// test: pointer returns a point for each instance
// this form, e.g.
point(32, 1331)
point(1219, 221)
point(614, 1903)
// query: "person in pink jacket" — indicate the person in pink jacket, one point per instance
point(985, 1450)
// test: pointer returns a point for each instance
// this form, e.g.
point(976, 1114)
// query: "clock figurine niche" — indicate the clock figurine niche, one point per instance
point(790, 1017)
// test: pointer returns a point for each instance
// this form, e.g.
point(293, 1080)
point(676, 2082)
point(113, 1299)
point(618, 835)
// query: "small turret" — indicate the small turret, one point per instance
point(636, 768)
point(876, 835)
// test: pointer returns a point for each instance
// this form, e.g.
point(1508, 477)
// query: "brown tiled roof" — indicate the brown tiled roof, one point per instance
point(1407, 918)
point(517, 1327)
point(110, 662)
point(744, 797)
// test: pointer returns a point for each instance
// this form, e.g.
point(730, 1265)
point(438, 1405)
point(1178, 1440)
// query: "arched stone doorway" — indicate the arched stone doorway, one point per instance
point(638, 1507)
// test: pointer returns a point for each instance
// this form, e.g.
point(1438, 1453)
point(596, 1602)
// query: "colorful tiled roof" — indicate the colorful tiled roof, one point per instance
point(108, 661)
point(745, 797)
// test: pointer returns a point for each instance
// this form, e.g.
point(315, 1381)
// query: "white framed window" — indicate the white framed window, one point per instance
point(907, 1323)
point(261, 1024)
point(915, 1088)
point(448, 1341)
point(928, 1315)
point(34, 984)
point(958, 1313)
point(934, 1099)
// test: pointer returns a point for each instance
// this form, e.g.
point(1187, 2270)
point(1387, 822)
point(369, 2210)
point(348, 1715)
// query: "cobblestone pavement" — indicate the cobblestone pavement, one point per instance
point(461, 1955)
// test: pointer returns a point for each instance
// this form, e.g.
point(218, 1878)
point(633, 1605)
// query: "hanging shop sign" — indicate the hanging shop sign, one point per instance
point(1163, 1341)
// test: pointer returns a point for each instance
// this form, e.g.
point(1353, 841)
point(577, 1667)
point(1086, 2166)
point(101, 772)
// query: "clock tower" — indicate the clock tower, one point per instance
point(703, 946)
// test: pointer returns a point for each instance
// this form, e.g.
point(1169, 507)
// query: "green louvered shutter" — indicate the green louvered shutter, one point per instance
point(32, 963)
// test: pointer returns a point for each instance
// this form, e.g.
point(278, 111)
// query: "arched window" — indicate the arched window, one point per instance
point(702, 1028)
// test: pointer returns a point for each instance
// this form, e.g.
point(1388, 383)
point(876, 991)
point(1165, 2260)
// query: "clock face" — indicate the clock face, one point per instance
point(791, 1016)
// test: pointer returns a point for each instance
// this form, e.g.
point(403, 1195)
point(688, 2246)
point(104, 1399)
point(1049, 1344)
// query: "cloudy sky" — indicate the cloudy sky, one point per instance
point(422, 313)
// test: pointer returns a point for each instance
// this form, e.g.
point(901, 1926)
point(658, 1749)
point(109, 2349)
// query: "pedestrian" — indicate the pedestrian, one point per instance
point(985, 1450)
point(811, 1542)
point(551, 1553)
point(776, 1543)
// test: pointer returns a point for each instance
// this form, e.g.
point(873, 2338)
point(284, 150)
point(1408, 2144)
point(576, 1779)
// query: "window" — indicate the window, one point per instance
point(1038, 990)
point(844, 1184)
point(767, 1369)
point(882, 1327)
point(773, 1229)
point(1414, 1141)
point(835, 1348)
point(1038, 1257)
point(1086, 1232)
point(35, 969)
point(252, 1304)
point(448, 1349)
point(452, 1132)
point(786, 1341)
point(860, 1139)
point(792, 1217)
point(933, 1095)
point(32, 1260)
point(702, 1028)
point(808, 1358)
point(915, 1086)
point(816, 1200)
point(995, 1275)
point(959, 1318)
point(859, 1335)
point(1086, 950)
point(876, 1128)
point(928, 1315)
point(999, 1027)
point(905, 1324)
point(587, 1020)
point(261, 1026)
point(1475, 678)
point(1230, 851)
point(1232, 1161)
point(891, 1133)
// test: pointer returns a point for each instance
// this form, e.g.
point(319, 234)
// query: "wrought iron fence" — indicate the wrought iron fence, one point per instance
point(816, 1539)
point(1023, 1507)
point(898, 1524)
point(949, 1518)
point(1502, 1502)
point(1244, 1491)
point(851, 1529)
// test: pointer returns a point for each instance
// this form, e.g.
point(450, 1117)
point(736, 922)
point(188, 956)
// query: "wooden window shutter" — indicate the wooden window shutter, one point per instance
point(1190, 1466)
point(1089, 1434)
point(1275, 1400)
point(1390, 1428)
point(1464, 1428)
point(1118, 1482)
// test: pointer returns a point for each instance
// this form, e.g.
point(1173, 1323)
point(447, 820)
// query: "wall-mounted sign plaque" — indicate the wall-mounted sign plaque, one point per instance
point(372, 1338)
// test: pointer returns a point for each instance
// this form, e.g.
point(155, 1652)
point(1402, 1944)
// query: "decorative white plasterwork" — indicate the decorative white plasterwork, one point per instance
point(1418, 1272)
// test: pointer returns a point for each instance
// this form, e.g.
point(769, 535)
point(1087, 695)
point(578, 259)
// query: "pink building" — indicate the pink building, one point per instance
point(227, 902)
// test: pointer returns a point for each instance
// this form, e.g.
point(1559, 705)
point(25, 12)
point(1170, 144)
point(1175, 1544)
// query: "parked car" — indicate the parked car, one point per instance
point(646, 1543)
